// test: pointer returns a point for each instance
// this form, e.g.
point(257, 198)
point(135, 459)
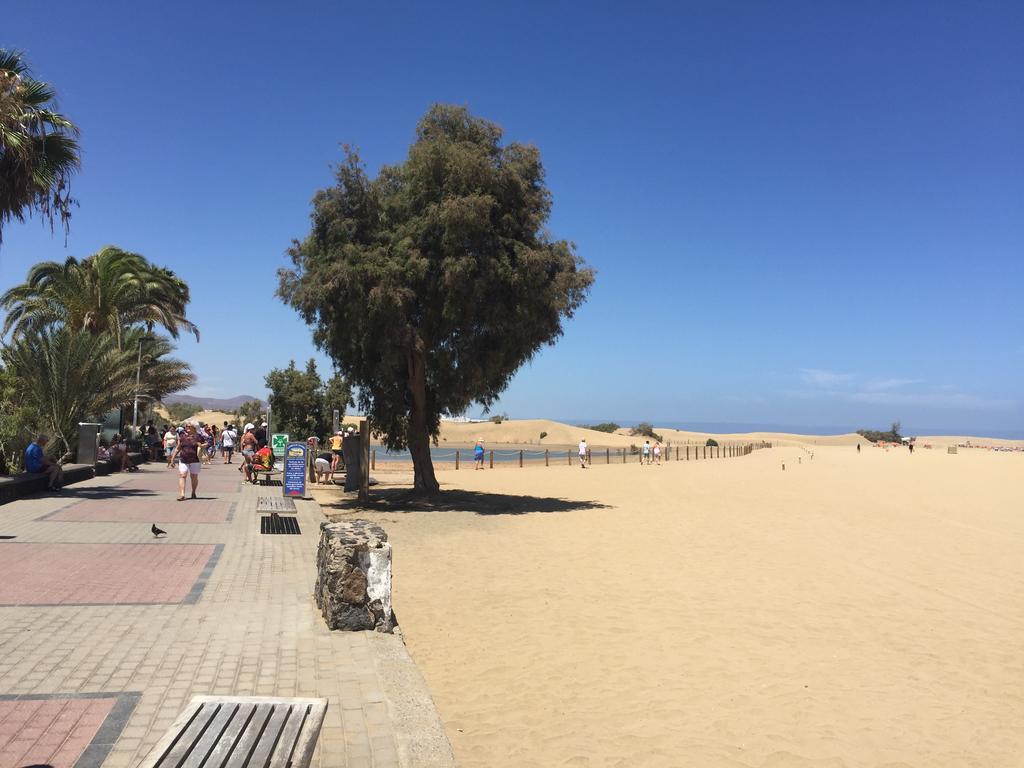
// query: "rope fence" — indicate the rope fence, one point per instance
point(550, 457)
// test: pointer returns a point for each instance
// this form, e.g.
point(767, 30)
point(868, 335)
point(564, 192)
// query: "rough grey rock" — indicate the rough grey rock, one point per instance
point(353, 576)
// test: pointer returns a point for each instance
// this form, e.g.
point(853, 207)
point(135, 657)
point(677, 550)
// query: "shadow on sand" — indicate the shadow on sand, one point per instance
point(404, 500)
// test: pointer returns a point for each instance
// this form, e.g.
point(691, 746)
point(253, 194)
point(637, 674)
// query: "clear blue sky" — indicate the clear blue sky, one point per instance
point(801, 213)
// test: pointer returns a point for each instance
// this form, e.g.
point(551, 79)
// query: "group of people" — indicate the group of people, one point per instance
point(332, 458)
point(650, 454)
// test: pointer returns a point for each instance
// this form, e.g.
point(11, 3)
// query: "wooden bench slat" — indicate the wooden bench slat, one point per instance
point(221, 751)
point(268, 739)
point(188, 736)
point(281, 758)
point(221, 720)
point(304, 740)
point(238, 757)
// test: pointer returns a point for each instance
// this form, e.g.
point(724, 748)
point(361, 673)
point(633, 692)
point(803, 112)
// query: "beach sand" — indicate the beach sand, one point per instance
point(853, 610)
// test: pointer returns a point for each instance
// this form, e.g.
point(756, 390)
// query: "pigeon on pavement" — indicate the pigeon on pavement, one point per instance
point(157, 532)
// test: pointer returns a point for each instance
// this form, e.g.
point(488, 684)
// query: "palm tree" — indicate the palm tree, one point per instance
point(38, 147)
point(107, 292)
point(161, 375)
point(66, 375)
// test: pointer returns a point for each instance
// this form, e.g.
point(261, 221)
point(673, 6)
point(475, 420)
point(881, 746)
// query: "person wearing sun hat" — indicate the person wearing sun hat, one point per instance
point(336, 449)
point(478, 454)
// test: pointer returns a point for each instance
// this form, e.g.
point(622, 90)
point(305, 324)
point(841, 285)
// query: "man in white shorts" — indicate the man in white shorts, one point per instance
point(583, 454)
point(187, 453)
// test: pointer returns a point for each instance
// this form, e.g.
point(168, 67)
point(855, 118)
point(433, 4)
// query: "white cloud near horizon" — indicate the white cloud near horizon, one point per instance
point(892, 391)
point(822, 377)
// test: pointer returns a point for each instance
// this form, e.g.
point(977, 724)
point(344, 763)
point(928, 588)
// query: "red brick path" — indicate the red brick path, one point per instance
point(144, 510)
point(77, 574)
point(51, 732)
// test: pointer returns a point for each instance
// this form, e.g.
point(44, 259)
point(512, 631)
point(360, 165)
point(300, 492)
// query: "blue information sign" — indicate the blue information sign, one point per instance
point(295, 470)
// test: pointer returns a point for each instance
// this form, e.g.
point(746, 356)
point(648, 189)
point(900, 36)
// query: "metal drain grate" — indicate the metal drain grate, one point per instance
point(275, 504)
point(277, 524)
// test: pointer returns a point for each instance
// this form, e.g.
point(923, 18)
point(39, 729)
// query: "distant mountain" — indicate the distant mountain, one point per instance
point(226, 404)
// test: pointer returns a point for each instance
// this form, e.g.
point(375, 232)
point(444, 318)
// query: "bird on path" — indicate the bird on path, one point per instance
point(157, 532)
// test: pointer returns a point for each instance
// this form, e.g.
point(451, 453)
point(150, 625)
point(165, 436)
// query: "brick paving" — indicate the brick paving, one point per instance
point(50, 731)
point(96, 608)
point(146, 510)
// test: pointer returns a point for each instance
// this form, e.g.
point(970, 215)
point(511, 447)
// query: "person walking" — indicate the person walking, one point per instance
point(478, 454)
point(657, 453)
point(170, 440)
point(187, 452)
point(227, 442)
point(583, 453)
point(645, 453)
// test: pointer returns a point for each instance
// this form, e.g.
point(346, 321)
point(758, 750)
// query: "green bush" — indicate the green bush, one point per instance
point(645, 430)
point(874, 435)
point(543, 435)
point(712, 441)
point(608, 426)
point(182, 411)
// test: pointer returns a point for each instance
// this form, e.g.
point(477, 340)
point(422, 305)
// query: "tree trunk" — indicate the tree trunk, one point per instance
point(424, 480)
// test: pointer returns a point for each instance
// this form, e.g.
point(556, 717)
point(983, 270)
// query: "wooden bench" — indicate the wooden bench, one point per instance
point(236, 731)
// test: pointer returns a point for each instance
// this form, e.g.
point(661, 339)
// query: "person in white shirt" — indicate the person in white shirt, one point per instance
point(583, 454)
point(170, 440)
point(227, 442)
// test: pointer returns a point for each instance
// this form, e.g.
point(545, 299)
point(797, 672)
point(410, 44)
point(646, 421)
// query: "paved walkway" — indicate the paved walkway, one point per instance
point(107, 632)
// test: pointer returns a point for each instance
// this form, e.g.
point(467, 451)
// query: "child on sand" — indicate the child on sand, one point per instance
point(657, 453)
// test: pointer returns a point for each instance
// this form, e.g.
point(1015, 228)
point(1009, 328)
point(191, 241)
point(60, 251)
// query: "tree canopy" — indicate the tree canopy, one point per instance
point(38, 147)
point(301, 403)
point(106, 292)
point(431, 284)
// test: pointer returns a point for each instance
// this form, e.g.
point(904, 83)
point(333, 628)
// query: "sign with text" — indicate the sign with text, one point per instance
point(278, 443)
point(295, 470)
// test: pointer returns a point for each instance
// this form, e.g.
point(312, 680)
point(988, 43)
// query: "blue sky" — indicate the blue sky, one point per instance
point(800, 213)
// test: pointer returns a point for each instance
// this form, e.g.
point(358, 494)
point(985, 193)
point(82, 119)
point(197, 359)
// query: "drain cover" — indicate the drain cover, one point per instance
point(277, 524)
point(275, 504)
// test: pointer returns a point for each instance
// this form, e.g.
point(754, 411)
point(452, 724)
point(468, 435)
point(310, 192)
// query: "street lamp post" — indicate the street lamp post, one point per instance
point(135, 407)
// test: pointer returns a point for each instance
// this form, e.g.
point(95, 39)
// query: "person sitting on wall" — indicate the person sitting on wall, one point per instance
point(37, 463)
point(119, 455)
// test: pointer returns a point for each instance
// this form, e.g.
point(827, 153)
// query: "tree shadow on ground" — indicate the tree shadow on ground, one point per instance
point(107, 493)
point(478, 502)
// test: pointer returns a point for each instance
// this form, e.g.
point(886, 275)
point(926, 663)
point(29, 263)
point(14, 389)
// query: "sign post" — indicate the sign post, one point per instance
point(295, 470)
point(278, 444)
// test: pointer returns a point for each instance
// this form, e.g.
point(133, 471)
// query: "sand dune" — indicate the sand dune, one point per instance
point(527, 432)
point(854, 610)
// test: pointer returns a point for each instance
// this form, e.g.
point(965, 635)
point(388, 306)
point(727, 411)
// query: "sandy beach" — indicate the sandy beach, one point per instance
point(853, 610)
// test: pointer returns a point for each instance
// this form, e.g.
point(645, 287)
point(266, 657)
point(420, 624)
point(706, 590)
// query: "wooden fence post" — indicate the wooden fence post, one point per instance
point(607, 455)
point(568, 455)
point(456, 459)
point(492, 459)
point(373, 459)
point(623, 455)
point(546, 458)
point(520, 459)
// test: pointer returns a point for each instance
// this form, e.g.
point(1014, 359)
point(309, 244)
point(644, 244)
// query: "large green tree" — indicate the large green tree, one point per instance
point(301, 403)
point(431, 284)
point(110, 291)
point(38, 147)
